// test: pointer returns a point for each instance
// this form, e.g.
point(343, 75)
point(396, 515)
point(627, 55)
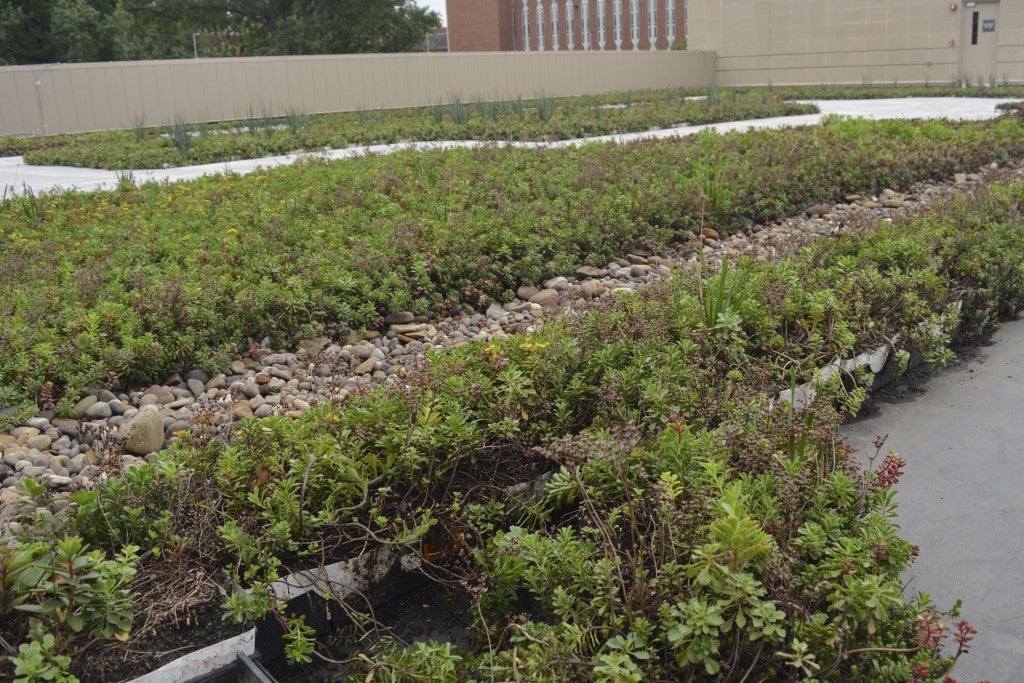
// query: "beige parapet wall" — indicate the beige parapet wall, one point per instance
point(792, 42)
point(70, 98)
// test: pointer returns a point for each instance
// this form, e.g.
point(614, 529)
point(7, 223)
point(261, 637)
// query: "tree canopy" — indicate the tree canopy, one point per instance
point(39, 31)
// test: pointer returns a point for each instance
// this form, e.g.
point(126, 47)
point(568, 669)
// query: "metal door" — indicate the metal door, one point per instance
point(979, 31)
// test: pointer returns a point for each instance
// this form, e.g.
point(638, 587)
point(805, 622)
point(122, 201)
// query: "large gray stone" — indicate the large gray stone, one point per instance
point(67, 426)
point(400, 318)
point(545, 297)
point(98, 411)
point(40, 442)
point(590, 272)
point(559, 284)
point(40, 423)
point(78, 412)
point(495, 312)
point(311, 346)
point(526, 291)
point(144, 433)
point(162, 394)
point(408, 329)
point(196, 387)
point(366, 366)
point(239, 410)
point(197, 375)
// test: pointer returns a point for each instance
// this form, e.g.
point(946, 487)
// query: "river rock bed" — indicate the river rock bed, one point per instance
point(108, 432)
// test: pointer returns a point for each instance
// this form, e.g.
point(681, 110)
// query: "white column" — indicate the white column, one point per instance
point(526, 27)
point(617, 19)
point(554, 24)
point(652, 23)
point(585, 23)
point(570, 27)
point(540, 25)
point(600, 25)
point(634, 23)
point(670, 22)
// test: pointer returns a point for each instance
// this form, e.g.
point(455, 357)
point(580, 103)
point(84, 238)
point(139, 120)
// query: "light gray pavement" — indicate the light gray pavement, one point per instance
point(16, 176)
point(962, 495)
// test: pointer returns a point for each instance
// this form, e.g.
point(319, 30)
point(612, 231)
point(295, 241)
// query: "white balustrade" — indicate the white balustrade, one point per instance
point(570, 26)
point(554, 24)
point(540, 25)
point(585, 23)
point(634, 23)
point(652, 23)
point(526, 26)
point(670, 22)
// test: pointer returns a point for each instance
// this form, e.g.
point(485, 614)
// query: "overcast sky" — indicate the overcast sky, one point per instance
point(436, 5)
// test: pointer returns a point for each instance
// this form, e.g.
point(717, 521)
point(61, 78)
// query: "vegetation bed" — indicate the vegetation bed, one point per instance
point(868, 91)
point(124, 286)
point(518, 119)
point(620, 495)
point(541, 118)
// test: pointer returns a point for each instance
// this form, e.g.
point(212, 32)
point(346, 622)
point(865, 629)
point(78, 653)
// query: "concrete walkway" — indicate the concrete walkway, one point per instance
point(962, 495)
point(16, 176)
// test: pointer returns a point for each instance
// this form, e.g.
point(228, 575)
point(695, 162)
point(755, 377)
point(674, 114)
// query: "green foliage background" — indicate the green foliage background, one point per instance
point(50, 31)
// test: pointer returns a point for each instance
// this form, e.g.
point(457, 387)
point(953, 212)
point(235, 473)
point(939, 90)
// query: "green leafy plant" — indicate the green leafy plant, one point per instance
point(52, 599)
point(295, 120)
point(139, 127)
point(546, 107)
point(38, 660)
point(180, 134)
point(457, 109)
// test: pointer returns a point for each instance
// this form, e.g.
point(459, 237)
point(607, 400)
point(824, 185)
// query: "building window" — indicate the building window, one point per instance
point(634, 23)
point(974, 28)
point(570, 26)
point(600, 24)
point(585, 23)
point(652, 23)
point(526, 27)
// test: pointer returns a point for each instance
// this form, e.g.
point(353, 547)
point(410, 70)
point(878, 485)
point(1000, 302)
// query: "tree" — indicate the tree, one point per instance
point(296, 27)
point(76, 32)
point(36, 31)
point(24, 32)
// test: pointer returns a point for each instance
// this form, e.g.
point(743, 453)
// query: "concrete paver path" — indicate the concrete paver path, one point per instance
point(16, 176)
point(962, 495)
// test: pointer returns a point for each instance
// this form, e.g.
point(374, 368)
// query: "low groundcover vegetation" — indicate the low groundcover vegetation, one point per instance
point(542, 118)
point(498, 119)
point(678, 522)
point(124, 286)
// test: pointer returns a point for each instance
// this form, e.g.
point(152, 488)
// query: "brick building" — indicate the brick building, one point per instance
point(558, 25)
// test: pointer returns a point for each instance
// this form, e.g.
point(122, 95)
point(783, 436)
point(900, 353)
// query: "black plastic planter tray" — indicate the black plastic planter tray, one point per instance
point(377, 576)
point(244, 670)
